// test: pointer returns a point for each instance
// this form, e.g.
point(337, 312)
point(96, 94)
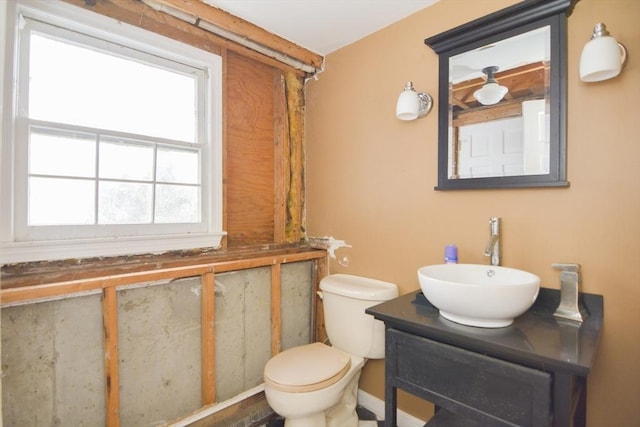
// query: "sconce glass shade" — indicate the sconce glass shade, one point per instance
point(491, 92)
point(412, 105)
point(602, 57)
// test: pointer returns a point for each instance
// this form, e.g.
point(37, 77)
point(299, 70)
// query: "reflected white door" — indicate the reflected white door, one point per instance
point(494, 148)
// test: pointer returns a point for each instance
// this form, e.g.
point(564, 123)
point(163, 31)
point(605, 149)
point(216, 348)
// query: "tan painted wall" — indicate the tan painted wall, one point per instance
point(370, 181)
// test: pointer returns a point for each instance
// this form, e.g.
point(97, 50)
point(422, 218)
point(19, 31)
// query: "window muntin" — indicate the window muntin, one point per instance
point(156, 158)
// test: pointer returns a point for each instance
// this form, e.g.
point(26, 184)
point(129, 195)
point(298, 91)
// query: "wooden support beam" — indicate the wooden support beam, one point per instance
point(276, 314)
point(281, 157)
point(138, 14)
point(111, 358)
point(295, 197)
point(56, 289)
point(49, 290)
point(208, 341)
point(241, 29)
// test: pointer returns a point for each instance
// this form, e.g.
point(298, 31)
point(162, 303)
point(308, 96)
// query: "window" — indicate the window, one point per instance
point(111, 138)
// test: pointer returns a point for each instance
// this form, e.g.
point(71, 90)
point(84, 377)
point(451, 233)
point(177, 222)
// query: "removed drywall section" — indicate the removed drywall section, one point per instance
point(295, 306)
point(242, 330)
point(52, 361)
point(54, 354)
point(243, 322)
point(159, 349)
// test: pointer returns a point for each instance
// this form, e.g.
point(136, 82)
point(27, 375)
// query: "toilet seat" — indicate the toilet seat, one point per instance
point(306, 368)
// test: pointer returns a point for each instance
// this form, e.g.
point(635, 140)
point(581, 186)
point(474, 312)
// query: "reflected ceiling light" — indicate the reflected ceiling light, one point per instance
point(491, 92)
point(602, 57)
point(412, 105)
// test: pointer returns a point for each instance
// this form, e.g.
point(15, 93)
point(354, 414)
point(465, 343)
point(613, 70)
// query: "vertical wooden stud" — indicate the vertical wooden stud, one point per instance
point(276, 316)
point(317, 315)
point(281, 176)
point(208, 339)
point(225, 137)
point(295, 196)
point(111, 357)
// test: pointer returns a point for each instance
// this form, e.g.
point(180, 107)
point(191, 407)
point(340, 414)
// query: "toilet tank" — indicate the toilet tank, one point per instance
point(344, 299)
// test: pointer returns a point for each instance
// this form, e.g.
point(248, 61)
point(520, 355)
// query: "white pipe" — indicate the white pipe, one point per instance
point(229, 35)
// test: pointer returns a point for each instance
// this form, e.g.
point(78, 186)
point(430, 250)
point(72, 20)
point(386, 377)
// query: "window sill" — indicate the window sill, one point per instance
point(28, 274)
point(17, 252)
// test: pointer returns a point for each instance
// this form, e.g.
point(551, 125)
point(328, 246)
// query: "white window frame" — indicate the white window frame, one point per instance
point(13, 247)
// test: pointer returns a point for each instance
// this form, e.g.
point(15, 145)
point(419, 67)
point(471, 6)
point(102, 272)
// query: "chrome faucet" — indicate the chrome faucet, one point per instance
point(493, 247)
point(570, 302)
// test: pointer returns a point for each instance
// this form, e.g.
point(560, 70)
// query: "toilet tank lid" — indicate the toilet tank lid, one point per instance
point(359, 287)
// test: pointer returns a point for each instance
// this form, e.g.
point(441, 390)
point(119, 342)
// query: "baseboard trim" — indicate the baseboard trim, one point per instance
point(376, 406)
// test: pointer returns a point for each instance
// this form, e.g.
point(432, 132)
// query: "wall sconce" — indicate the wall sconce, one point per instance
point(602, 57)
point(413, 105)
point(491, 92)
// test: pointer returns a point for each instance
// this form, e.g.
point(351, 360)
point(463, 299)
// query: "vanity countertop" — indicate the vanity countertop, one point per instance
point(536, 338)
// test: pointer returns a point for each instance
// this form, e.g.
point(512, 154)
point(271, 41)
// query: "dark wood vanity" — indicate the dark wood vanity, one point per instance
point(532, 373)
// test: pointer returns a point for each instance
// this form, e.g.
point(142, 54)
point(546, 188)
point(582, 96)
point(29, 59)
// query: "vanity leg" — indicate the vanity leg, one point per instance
point(390, 405)
point(580, 419)
point(390, 374)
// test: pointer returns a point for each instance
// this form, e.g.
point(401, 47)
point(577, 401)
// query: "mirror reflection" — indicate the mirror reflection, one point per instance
point(499, 108)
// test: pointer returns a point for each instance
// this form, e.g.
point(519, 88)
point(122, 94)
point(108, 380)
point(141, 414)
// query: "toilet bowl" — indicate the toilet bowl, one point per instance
point(304, 405)
point(316, 385)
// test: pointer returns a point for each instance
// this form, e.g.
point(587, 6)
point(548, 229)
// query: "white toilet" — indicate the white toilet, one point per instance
point(316, 385)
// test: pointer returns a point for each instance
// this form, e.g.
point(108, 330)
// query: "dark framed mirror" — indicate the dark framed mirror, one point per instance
point(502, 98)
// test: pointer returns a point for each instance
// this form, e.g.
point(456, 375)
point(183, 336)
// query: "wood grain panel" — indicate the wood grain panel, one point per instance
point(249, 152)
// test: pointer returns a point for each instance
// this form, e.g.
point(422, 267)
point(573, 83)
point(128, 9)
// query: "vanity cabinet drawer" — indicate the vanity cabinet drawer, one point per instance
point(482, 388)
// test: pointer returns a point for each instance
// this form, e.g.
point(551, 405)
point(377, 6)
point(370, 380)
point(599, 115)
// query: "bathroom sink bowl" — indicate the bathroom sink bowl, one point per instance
point(485, 296)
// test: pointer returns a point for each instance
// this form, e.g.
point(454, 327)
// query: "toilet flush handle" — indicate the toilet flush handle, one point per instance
point(319, 293)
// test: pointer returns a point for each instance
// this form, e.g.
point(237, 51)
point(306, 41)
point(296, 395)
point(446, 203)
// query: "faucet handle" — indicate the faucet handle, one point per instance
point(568, 271)
point(573, 268)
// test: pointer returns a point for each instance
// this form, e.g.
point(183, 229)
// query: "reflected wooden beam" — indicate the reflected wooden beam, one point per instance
point(522, 82)
point(502, 110)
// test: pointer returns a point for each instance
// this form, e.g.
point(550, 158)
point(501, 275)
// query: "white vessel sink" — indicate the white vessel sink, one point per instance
point(485, 296)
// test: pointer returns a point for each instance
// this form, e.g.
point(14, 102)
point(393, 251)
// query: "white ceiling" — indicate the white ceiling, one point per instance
point(321, 26)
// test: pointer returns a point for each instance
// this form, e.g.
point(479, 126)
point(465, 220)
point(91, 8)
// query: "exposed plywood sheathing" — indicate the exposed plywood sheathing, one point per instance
point(249, 150)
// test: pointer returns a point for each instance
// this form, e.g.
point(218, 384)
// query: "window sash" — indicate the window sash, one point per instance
point(26, 232)
point(19, 242)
